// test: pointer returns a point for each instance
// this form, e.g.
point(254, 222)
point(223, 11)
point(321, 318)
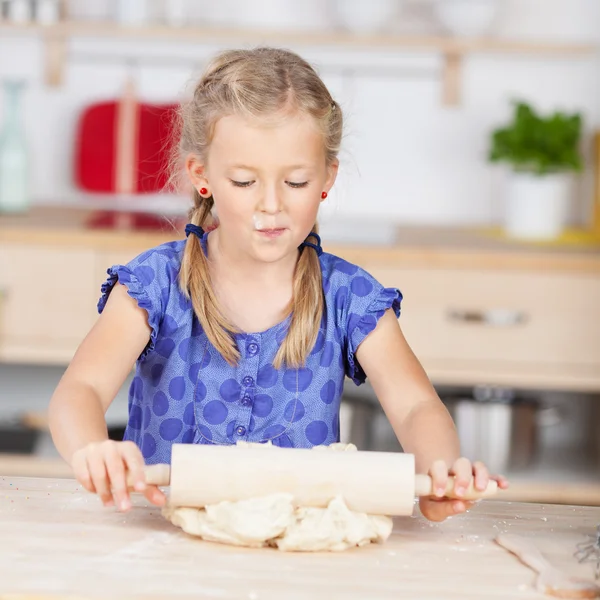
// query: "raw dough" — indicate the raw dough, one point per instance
point(274, 521)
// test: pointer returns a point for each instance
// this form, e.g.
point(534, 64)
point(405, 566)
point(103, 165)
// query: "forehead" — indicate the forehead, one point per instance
point(294, 139)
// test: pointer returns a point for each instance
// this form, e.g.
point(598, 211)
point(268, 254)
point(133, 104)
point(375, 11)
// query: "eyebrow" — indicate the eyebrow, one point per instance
point(248, 168)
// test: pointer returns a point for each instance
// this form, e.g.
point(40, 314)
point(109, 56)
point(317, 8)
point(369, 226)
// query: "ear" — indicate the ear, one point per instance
point(332, 172)
point(196, 171)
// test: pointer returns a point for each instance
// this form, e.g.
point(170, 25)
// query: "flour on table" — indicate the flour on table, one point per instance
point(274, 521)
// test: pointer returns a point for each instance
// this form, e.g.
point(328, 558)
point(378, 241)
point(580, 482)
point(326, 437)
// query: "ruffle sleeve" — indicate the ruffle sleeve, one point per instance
point(149, 279)
point(360, 323)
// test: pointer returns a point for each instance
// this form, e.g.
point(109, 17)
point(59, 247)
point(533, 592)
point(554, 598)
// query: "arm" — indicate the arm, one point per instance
point(416, 413)
point(86, 390)
point(96, 373)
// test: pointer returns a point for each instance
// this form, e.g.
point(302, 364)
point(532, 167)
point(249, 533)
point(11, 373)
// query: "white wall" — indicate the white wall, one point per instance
point(405, 154)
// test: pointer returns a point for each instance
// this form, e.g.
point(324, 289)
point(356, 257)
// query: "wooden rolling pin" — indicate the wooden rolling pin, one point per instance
point(378, 483)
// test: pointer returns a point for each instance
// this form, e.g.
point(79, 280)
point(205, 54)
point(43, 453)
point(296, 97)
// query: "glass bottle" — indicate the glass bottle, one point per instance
point(14, 176)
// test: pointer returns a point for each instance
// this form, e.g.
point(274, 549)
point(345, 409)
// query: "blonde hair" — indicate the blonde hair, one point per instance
point(261, 83)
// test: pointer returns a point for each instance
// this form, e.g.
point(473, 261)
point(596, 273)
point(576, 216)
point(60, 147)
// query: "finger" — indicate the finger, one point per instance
point(82, 473)
point(481, 474)
point(155, 496)
point(458, 506)
point(463, 473)
point(97, 469)
point(115, 468)
point(135, 465)
point(502, 481)
point(439, 477)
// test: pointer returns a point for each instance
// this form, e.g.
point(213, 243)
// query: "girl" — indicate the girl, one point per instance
point(247, 329)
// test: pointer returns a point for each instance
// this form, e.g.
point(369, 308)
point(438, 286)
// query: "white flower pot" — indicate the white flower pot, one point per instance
point(536, 206)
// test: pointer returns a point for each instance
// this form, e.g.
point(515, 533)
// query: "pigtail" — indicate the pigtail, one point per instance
point(195, 282)
point(307, 309)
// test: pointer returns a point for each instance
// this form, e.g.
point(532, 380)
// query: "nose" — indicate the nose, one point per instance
point(270, 201)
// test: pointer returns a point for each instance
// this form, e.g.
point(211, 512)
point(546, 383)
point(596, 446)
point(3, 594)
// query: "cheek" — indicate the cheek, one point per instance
point(231, 207)
point(305, 213)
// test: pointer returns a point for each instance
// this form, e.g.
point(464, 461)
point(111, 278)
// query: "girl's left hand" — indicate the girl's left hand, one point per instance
point(440, 507)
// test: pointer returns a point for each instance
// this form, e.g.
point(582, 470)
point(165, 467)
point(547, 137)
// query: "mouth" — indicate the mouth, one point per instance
point(271, 233)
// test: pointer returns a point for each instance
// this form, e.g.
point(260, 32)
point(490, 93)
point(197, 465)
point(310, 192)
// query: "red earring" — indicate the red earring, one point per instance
point(324, 195)
point(203, 191)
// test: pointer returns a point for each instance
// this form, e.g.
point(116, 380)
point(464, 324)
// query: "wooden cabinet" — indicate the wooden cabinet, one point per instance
point(497, 326)
point(45, 301)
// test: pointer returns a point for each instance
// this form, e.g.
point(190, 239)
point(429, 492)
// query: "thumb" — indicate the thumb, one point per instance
point(436, 510)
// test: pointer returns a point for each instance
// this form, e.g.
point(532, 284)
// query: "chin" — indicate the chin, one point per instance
point(273, 253)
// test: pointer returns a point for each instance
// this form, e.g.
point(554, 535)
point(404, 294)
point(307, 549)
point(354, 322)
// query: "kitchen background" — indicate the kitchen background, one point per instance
point(423, 83)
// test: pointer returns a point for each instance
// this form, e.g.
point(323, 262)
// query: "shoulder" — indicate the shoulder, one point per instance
point(155, 265)
point(339, 273)
point(157, 261)
point(354, 293)
point(149, 276)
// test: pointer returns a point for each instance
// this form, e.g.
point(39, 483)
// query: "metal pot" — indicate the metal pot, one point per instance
point(498, 428)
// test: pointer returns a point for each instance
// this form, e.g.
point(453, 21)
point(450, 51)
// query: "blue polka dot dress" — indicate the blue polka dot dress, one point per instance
point(185, 392)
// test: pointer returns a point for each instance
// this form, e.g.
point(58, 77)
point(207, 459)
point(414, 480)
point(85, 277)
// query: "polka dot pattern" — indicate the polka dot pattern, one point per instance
point(137, 386)
point(165, 347)
point(318, 347)
point(262, 406)
point(273, 431)
point(135, 417)
point(145, 274)
point(215, 412)
point(184, 392)
point(361, 286)
point(177, 388)
point(297, 379)
point(327, 353)
point(195, 368)
point(230, 390)
point(328, 392)
point(294, 411)
point(160, 405)
point(188, 414)
point(184, 348)
point(169, 429)
point(148, 446)
point(156, 372)
point(316, 432)
point(335, 426)
point(267, 376)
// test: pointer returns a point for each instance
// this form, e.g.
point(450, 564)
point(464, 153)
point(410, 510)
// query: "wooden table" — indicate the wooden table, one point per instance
point(56, 540)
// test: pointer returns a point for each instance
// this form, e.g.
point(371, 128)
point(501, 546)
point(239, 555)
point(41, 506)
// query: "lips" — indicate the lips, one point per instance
point(274, 232)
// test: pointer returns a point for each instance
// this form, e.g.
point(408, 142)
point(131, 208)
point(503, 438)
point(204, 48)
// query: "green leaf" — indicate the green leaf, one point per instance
point(538, 144)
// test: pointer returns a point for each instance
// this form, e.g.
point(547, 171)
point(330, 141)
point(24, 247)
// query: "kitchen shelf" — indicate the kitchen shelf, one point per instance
point(453, 49)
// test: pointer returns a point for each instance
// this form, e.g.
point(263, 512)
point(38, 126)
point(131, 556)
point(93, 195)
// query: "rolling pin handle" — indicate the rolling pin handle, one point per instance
point(424, 487)
point(158, 474)
point(154, 475)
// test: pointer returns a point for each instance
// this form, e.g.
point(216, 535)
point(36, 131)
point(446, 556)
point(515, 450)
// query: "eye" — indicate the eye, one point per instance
point(241, 184)
point(296, 185)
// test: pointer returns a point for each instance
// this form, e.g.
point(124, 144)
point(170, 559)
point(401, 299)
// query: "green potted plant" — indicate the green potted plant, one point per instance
point(542, 153)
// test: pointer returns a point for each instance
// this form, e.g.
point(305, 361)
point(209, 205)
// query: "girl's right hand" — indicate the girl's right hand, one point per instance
point(103, 468)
